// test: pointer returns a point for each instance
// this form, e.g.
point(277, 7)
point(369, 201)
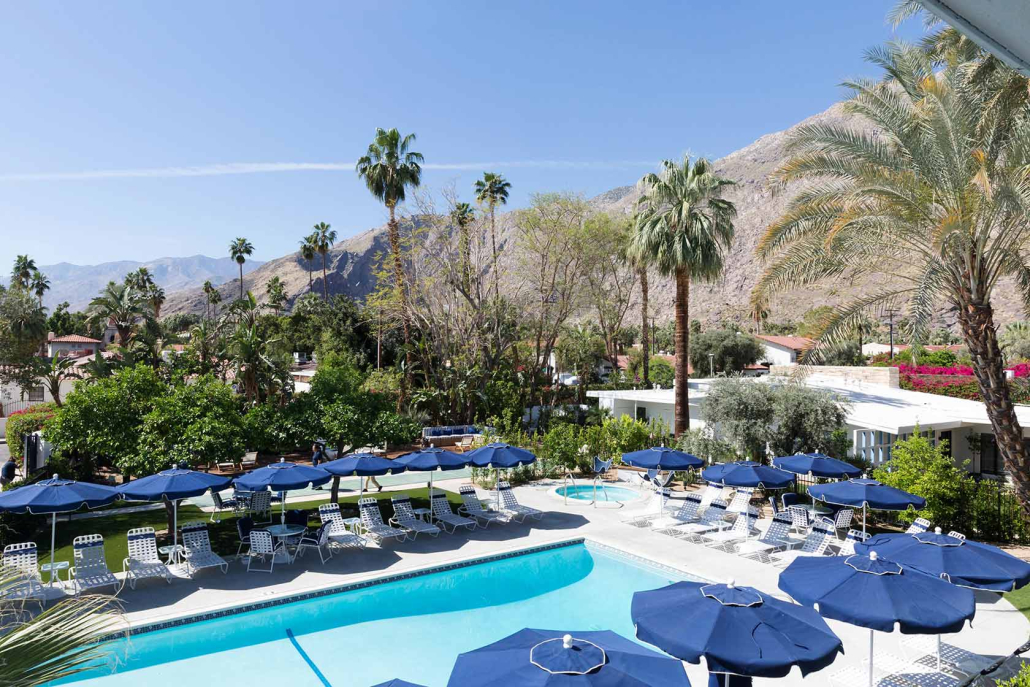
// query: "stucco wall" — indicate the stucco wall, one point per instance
point(883, 376)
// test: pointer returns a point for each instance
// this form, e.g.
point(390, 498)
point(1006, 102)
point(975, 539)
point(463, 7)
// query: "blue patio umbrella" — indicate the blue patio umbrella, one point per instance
point(867, 493)
point(747, 473)
point(397, 683)
point(362, 465)
point(662, 458)
point(283, 476)
point(499, 455)
point(877, 593)
point(738, 630)
point(549, 658)
point(56, 495)
point(172, 485)
point(959, 561)
point(432, 459)
point(817, 465)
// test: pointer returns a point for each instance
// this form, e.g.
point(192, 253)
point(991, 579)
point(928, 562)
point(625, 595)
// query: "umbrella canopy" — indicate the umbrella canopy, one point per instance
point(362, 464)
point(545, 658)
point(866, 493)
point(817, 465)
point(746, 473)
point(283, 476)
point(172, 485)
point(499, 455)
point(396, 683)
point(961, 562)
point(56, 495)
point(662, 458)
point(433, 458)
point(737, 630)
point(878, 593)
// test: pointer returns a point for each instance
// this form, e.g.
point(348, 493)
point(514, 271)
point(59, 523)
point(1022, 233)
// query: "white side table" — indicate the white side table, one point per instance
point(55, 569)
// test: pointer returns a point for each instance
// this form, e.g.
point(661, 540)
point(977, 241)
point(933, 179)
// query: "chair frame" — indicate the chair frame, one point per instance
point(320, 542)
point(444, 515)
point(263, 544)
point(404, 517)
point(511, 506)
point(143, 561)
point(90, 570)
point(197, 552)
point(23, 558)
point(339, 534)
point(472, 507)
point(375, 528)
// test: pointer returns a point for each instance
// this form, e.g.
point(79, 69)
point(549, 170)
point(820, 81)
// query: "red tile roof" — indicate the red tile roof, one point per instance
point(75, 338)
point(796, 343)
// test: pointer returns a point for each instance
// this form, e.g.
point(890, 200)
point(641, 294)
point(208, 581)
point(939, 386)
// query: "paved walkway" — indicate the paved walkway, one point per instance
point(998, 628)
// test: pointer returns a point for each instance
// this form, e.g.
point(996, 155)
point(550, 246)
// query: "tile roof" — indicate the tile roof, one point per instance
point(797, 343)
point(75, 338)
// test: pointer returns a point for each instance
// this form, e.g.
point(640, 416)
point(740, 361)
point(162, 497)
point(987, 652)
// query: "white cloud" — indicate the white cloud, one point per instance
point(276, 167)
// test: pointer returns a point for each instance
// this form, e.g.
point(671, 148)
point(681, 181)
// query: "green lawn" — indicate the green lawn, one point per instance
point(223, 534)
point(1021, 600)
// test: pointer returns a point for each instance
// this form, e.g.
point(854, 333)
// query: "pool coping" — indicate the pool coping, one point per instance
point(583, 502)
point(331, 590)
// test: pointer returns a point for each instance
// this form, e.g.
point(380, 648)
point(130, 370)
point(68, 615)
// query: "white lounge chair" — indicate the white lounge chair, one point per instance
point(689, 511)
point(847, 547)
point(443, 514)
point(920, 525)
point(741, 500)
point(143, 561)
point(197, 549)
point(372, 522)
point(712, 492)
point(816, 544)
point(923, 650)
point(339, 534)
point(957, 535)
point(405, 518)
point(742, 528)
point(22, 563)
point(222, 505)
point(90, 570)
point(319, 541)
point(511, 507)
point(776, 538)
point(712, 519)
point(249, 460)
point(264, 547)
point(472, 507)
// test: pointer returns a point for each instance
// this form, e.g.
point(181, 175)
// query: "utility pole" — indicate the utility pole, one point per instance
point(654, 339)
point(890, 314)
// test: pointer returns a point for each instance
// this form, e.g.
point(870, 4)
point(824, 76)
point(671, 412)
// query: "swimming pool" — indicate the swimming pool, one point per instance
point(411, 628)
point(585, 492)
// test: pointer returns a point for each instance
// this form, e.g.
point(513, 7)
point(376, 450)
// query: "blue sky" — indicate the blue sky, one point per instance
point(121, 119)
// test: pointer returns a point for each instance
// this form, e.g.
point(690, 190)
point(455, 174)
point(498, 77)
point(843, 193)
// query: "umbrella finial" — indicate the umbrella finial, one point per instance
point(282, 459)
point(873, 555)
point(55, 475)
point(731, 583)
point(566, 641)
point(936, 530)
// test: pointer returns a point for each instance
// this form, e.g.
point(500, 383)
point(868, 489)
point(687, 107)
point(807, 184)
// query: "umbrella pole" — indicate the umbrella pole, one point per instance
point(938, 653)
point(871, 681)
point(863, 518)
point(53, 543)
point(431, 486)
point(175, 523)
point(497, 490)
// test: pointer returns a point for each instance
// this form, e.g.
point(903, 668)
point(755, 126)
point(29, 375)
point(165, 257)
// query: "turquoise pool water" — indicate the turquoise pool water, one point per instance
point(585, 492)
point(411, 629)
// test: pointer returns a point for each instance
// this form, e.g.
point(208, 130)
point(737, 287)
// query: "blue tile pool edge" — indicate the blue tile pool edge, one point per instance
point(364, 584)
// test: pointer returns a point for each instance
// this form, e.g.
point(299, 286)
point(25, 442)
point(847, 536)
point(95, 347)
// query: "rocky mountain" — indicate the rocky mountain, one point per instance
point(77, 284)
point(351, 262)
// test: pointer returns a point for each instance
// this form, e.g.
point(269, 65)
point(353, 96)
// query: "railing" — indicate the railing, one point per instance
point(15, 406)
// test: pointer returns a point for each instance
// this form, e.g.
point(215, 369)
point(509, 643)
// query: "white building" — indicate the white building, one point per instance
point(62, 346)
point(880, 413)
point(783, 350)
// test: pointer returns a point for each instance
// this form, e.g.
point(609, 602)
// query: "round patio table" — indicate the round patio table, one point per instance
point(284, 532)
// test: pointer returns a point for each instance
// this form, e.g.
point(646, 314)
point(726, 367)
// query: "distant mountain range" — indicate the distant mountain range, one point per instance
point(77, 284)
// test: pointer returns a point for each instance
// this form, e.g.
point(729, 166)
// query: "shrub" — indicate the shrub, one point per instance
point(920, 468)
point(271, 428)
point(805, 420)
point(659, 370)
point(1020, 679)
point(730, 351)
point(701, 443)
point(560, 449)
point(26, 421)
point(742, 411)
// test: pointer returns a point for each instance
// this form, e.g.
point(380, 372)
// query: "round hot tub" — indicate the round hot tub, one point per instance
point(604, 492)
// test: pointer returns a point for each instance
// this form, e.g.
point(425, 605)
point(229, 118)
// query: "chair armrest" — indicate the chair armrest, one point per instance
point(462, 510)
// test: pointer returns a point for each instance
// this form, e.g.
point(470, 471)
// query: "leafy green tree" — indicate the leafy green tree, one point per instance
point(805, 419)
point(730, 351)
point(239, 250)
point(932, 201)
point(492, 190)
point(579, 350)
point(53, 372)
point(924, 469)
point(463, 215)
point(683, 227)
point(661, 370)
point(1015, 341)
point(276, 292)
point(62, 322)
point(307, 254)
point(388, 168)
point(743, 411)
point(22, 333)
point(120, 305)
point(324, 238)
point(701, 443)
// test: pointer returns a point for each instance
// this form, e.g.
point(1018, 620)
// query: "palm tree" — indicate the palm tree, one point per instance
point(276, 294)
point(492, 190)
point(238, 251)
point(683, 226)
point(24, 266)
point(307, 254)
point(51, 373)
point(935, 202)
point(463, 215)
point(389, 168)
point(760, 312)
point(324, 238)
point(140, 279)
point(118, 305)
point(156, 298)
point(40, 285)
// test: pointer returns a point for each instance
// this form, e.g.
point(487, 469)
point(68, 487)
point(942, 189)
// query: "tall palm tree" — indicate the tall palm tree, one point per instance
point(307, 254)
point(156, 298)
point(238, 251)
point(276, 292)
point(40, 285)
point(324, 238)
point(140, 279)
point(492, 190)
point(22, 271)
point(933, 204)
point(119, 305)
point(759, 312)
point(389, 168)
point(683, 226)
point(463, 215)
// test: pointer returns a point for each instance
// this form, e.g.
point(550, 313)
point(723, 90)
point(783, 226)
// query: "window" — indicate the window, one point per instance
point(642, 414)
point(873, 445)
point(946, 437)
point(36, 394)
point(990, 459)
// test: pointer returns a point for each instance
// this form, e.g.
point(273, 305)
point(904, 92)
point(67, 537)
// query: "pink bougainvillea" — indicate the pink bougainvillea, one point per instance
point(1018, 370)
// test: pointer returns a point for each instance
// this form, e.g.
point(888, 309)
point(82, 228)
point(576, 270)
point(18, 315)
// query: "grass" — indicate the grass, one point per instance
point(223, 534)
point(1021, 600)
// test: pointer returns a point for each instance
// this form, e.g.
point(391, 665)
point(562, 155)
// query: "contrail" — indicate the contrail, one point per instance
point(222, 169)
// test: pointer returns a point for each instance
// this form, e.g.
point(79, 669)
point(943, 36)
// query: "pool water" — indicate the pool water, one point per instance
point(585, 492)
point(412, 629)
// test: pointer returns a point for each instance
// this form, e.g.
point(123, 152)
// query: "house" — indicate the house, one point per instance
point(880, 413)
point(783, 350)
point(72, 345)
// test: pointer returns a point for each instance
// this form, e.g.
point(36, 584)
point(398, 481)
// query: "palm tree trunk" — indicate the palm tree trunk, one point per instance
point(682, 421)
point(311, 282)
point(645, 338)
point(493, 245)
point(398, 273)
point(978, 330)
point(241, 280)
point(466, 258)
point(325, 282)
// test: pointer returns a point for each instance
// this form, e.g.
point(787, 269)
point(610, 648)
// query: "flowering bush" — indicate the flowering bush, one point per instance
point(954, 370)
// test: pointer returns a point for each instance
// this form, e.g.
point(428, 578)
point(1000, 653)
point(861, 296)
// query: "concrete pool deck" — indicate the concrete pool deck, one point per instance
point(997, 629)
